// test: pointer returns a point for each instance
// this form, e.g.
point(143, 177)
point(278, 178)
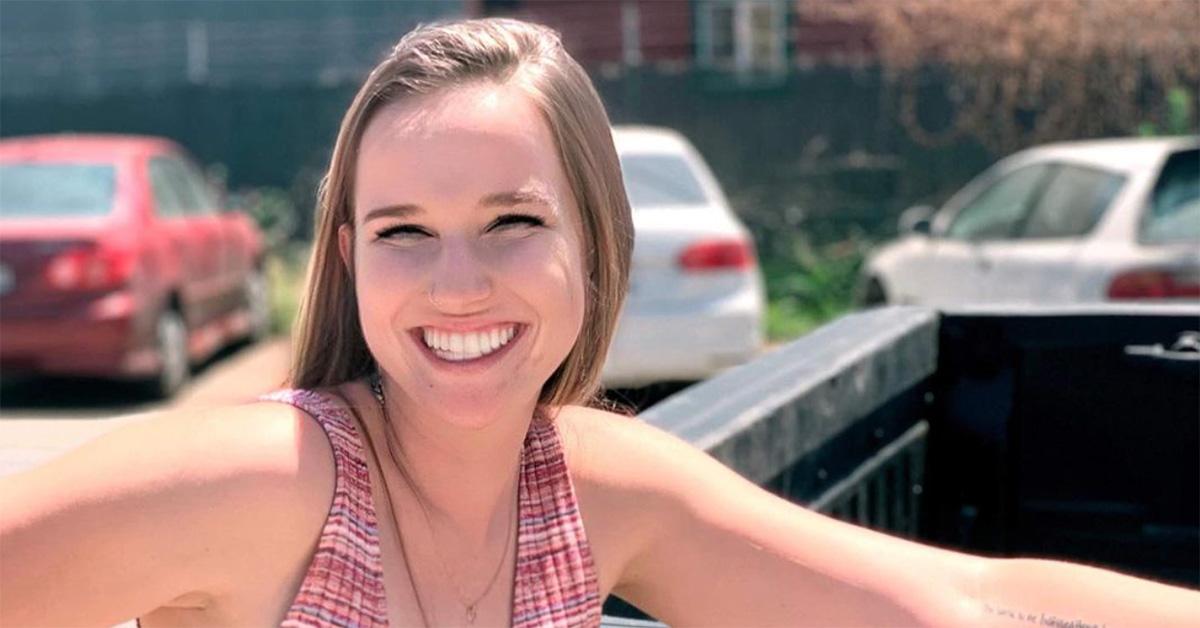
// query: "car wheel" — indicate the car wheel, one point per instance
point(258, 305)
point(873, 294)
point(171, 340)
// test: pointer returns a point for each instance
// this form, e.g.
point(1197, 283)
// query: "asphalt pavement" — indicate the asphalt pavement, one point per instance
point(41, 419)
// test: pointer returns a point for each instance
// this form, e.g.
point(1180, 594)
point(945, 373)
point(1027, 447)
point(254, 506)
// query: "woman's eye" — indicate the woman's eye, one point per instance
point(518, 219)
point(401, 232)
point(413, 232)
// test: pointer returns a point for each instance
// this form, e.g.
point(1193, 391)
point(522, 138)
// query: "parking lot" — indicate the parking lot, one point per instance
point(39, 420)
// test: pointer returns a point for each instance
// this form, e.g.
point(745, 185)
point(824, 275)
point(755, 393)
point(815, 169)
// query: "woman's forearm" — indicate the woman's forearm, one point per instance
point(1030, 592)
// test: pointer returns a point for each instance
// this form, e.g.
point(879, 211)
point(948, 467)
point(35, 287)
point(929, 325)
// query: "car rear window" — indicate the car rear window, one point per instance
point(1072, 203)
point(56, 190)
point(1174, 211)
point(660, 181)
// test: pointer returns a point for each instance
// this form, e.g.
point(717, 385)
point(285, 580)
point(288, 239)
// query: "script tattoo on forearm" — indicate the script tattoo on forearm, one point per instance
point(1039, 619)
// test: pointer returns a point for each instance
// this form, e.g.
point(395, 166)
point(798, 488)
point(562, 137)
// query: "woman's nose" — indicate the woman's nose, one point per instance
point(460, 282)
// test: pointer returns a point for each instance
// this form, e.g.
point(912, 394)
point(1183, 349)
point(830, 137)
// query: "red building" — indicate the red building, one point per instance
point(753, 36)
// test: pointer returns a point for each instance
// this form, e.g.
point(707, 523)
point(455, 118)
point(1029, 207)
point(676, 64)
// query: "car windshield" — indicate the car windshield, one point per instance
point(660, 180)
point(56, 190)
point(1174, 211)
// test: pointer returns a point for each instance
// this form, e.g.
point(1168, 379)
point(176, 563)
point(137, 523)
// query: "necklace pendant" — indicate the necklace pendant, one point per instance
point(471, 614)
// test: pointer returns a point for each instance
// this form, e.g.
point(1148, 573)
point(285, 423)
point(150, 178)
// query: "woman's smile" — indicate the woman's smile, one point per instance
point(467, 350)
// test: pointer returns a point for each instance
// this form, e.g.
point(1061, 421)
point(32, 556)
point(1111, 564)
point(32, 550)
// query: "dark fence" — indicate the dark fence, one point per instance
point(1056, 434)
point(819, 152)
point(1069, 433)
point(885, 491)
point(820, 149)
point(81, 50)
point(833, 420)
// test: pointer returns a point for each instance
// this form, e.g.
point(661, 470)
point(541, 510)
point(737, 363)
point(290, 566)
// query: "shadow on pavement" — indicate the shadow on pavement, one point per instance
point(73, 397)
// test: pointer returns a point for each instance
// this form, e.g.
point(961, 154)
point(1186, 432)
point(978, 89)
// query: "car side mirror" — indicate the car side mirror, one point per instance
point(916, 219)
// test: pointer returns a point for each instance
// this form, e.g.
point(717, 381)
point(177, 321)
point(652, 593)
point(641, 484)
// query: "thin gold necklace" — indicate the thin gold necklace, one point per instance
point(471, 608)
point(387, 493)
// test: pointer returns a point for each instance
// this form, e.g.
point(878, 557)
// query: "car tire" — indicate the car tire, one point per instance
point(872, 294)
point(256, 292)
point(170, 341)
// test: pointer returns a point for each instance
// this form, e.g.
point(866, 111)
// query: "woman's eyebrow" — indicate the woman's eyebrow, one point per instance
point(516, 197)
point(497, 199)
point(398, 211)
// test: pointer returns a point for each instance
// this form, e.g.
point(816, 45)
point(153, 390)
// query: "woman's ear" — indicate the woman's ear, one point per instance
point(346, 246)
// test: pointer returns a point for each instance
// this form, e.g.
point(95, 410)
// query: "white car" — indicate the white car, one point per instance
point(696, 298)
point(1074, 222)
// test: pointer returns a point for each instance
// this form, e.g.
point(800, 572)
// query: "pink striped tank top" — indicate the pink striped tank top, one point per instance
point(555, 584)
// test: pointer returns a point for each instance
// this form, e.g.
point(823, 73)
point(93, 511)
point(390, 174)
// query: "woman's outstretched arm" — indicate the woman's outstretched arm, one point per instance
point(171, 508)
point(713, 549)
point(1020, 591)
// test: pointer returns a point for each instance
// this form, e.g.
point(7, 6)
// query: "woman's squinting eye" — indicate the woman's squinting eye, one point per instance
point(517, 219)
point(414, 232)
point(401, 232)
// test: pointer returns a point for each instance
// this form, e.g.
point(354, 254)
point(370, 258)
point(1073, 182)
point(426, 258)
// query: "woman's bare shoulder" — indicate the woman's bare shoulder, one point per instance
point(248, 444)
point(174, 498)
point(612, 449)
point(619, 463)
point(258, 442)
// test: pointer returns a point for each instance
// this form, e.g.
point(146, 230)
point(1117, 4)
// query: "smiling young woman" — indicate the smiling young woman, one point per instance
point(436, 461)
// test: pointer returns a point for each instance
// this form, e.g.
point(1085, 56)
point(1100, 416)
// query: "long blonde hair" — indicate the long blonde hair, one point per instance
point(329, 345)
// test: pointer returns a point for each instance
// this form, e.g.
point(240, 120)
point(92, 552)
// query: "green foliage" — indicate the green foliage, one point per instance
point(1179, 119)
point(1179, 111)
point(807, 286)
point(274, 210)
point(285, 274)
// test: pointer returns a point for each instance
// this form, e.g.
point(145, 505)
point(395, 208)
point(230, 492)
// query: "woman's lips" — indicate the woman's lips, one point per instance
point(468, 365)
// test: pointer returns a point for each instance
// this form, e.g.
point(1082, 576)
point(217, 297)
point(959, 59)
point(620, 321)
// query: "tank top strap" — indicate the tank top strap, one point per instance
point(343, 585)
point(556, 582)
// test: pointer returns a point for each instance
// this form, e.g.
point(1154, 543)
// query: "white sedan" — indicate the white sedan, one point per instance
point(696, 297)
point(1073, 222)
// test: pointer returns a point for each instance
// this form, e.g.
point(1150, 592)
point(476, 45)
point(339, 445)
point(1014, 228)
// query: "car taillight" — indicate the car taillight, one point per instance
point(90, 267)
point(723, 254)
point(1154, 284)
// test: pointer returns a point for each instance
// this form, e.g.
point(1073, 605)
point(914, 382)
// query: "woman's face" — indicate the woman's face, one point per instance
point(467, 251)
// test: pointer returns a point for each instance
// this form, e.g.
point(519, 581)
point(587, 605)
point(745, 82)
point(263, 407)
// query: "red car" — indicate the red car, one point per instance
point(117, 261)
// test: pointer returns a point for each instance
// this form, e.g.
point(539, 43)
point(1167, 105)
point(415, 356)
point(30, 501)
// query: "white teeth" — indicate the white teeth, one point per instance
point(467, 346)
